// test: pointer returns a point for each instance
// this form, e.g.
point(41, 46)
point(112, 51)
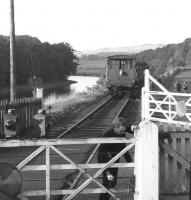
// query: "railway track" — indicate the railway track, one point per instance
point(98, 120)
point(69, 120)
point(94, 120)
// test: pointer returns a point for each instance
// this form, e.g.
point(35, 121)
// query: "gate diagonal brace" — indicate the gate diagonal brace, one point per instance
point(83, 171)
point(176, 155)
point(93, 178)
point(30, 157)
point(158, 106)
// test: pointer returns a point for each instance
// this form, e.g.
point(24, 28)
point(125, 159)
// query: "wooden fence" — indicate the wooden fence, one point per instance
point(175, 158)
point(26, 108)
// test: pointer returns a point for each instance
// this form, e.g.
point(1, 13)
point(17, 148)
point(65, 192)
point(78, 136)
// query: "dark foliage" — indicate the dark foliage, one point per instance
point(51, 62)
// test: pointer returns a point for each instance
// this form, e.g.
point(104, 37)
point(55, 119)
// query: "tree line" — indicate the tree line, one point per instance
point(51, 62)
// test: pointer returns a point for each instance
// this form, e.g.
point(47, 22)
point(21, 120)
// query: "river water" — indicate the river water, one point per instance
point(82, 82)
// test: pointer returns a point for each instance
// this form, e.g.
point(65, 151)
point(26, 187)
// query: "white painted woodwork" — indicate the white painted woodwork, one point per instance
point(47, 172)
point(147, 162)
point(57, 142)
point(165, 103)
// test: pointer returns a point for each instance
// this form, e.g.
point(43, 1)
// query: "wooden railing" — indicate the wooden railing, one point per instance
point(26, 108)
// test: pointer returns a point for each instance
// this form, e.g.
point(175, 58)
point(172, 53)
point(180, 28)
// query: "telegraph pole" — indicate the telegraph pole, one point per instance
point(12, 53)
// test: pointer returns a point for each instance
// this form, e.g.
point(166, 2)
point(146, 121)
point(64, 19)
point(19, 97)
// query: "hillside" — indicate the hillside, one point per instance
point(168, 58)
point(161, 60)
point(105, 52)
point(93, 62)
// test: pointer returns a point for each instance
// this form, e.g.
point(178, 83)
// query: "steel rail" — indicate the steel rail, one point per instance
point(84, 118)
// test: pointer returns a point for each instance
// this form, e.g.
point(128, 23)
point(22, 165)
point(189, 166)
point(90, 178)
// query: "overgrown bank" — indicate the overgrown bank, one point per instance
point(69, 109)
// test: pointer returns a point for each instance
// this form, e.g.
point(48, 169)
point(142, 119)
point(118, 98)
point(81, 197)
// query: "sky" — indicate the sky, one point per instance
point(95, 24)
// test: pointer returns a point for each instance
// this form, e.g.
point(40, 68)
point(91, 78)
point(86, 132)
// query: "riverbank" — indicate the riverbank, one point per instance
point(26, 90)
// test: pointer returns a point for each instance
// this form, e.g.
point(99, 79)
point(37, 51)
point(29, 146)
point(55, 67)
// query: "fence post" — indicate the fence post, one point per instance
point(146, 95)
point(142, 103)
point(146, 162)
point(47, 172)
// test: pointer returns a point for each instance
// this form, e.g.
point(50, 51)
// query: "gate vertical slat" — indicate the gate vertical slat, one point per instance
point(162, 170)
point(30, 112)
point(47, 172)
point(175, 169)
point(26, 113)
point(17, 106)
point(23, 112)
point(1, 127)
point(183, 153)
point(29, 107)
point(166, 162)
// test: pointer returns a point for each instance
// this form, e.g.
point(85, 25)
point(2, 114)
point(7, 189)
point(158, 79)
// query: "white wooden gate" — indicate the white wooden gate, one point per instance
point(45, 164)
point(41, 162)
point(160, 105)
point(171, 112)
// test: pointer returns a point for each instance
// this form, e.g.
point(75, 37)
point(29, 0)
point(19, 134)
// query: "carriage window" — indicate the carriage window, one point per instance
point(122, 64)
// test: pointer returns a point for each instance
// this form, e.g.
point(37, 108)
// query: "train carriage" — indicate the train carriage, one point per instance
point(123, 72)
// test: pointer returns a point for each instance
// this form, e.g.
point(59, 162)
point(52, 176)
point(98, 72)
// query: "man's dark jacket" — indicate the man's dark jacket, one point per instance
point(107, 151)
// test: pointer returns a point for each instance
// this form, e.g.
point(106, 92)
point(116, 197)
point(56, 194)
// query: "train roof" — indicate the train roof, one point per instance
point(121, 57)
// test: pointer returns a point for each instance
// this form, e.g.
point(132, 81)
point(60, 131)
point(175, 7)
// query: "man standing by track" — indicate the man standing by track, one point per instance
point(107, 151)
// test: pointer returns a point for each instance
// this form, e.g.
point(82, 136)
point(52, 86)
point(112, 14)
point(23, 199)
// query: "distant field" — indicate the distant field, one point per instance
point(91, 67)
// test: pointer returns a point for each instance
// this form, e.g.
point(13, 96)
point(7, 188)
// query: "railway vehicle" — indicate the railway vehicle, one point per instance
point(123, 72)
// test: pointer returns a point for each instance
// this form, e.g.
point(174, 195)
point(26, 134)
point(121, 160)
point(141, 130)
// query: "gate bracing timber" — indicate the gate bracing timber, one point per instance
point(158, 104)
